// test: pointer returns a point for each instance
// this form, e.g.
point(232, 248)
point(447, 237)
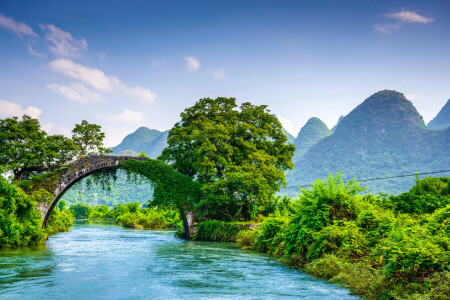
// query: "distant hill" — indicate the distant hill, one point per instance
point(151, 141)
point(442, 120)
point(383, 136)
point(313, 131)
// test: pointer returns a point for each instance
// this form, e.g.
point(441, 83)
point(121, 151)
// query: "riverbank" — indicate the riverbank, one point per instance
point(379, 247)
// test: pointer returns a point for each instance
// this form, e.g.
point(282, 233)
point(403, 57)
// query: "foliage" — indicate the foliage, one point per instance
point(239, 156)
point(424, 197)
point(268, 230)
point(59, 221)
point(62, 205)
point(131, 215)
point(80, 211)
point(246, 238)
point(219, 231)
point(363, 242)
point(171, 189)
point(319, 207)
point(25, 148)
point(89, 139)
point(20, 223)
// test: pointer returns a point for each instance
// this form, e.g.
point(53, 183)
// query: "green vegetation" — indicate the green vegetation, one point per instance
point(20, 222)
point(26, 149)
point(384, 136)
point(89, 139)
point(239, 156)
point(130, 215)
point(379, 247)
point(442, 120)
point(219, 231)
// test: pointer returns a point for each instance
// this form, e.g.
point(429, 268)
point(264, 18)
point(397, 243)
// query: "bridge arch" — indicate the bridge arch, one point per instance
point(171, 187)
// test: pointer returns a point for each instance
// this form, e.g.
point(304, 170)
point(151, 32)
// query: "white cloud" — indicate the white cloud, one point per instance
point(386, 28)
point(192, 63)
point(11, 109)
point(409, 17)
point(99, 80)
point(76, 92)
point(64, 44)
point(96, 78)
point(402, 18)
point(17, 27)
point(34, 52)
point(128, 116)
point(219, 73)
point(47, 127)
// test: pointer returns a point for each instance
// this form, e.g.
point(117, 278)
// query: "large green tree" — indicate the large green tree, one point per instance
point(25, 148)
point(89, 139)
point(238, 154)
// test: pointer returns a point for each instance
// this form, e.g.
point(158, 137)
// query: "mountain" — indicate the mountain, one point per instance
point(384, 136)
point(337, 124)
point(442, 120)
point(151, 141)
point(134, 140)
point(313, 131)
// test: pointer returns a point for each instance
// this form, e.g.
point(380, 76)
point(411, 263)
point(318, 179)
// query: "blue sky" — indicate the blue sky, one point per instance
point(124, 64)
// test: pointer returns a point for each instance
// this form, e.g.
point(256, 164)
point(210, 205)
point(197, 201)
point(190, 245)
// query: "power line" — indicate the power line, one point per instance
point(377, 178)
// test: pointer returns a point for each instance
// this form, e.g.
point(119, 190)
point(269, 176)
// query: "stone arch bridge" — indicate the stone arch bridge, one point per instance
point(84, 167)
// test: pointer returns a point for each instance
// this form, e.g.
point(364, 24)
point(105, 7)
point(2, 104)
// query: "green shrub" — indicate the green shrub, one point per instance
point(218, 231)
point(319, 207)
point(424, 197)
point(327, 266)
point(410, 253)
point(20, 223)
point(269, 230)
point(343, 239)
point(246, 238)
point(59, 221)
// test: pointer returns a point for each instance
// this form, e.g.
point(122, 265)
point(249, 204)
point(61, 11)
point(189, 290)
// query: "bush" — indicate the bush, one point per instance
point(411, 253)
point(246, 238)
point(269, 230)
point(59, 221)
point(218, 231)
point(20, 223)
point(424, 197)
point(343, 239)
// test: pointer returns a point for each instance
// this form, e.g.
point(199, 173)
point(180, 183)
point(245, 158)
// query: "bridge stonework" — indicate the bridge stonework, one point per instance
point(87, 166)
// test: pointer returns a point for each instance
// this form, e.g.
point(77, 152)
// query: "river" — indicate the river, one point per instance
point(95, 261)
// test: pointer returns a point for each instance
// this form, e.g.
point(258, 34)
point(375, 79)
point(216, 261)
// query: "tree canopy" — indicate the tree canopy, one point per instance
point(26, 149)
point(238, 154)
point(89, 139)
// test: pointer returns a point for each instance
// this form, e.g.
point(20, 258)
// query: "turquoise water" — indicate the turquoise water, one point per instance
point(94, 261)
